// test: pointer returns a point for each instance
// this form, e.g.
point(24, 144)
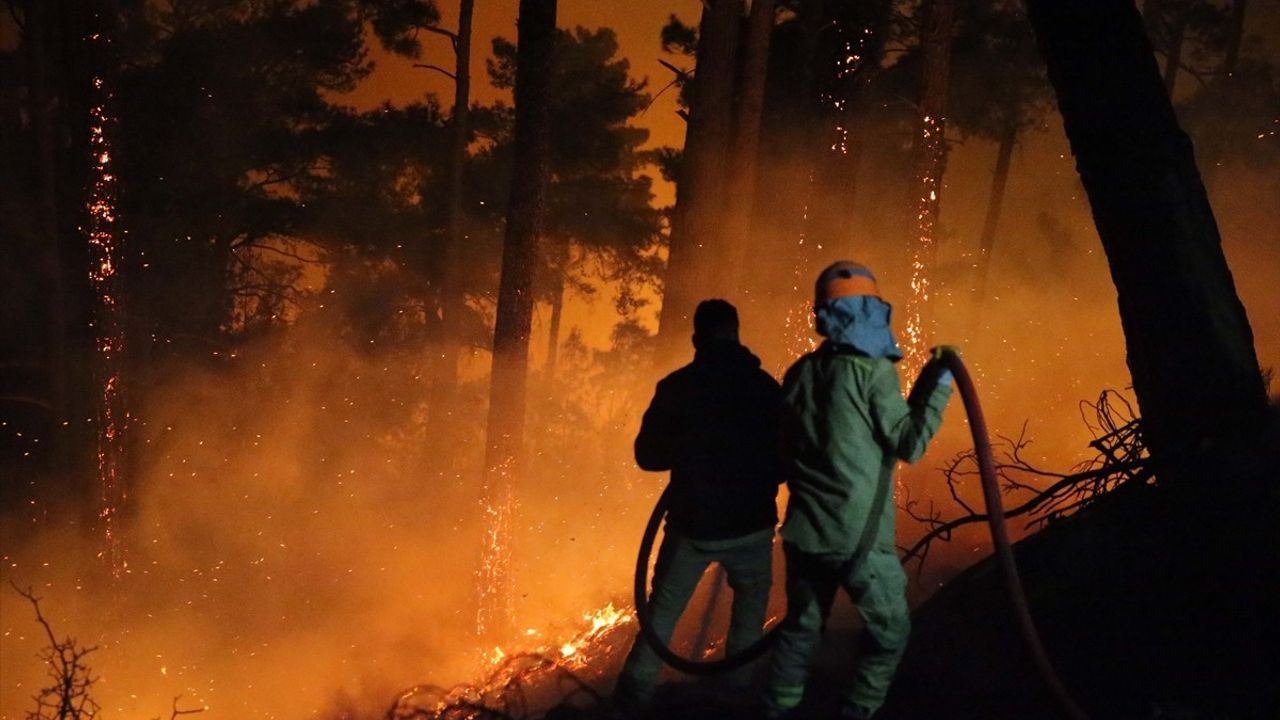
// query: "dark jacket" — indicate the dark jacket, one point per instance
point(714, 424)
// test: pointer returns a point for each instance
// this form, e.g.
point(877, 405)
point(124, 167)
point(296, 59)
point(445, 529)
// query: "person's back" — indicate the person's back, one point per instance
point(714, 424)
point(847, 426)
point(848, 429)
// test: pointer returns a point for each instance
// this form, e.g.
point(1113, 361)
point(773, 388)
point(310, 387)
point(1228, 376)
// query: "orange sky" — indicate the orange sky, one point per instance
point(637, 24)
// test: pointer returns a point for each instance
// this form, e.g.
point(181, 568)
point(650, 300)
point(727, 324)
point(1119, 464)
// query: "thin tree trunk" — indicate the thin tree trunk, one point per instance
point(1173, 59)
point(746, 143)
point(995, 204)
point(40, 108)
point(1151, 12)
point(1235, 37)
point(508, 387)
point(557, 305)
point(452, 299)
point(1190, 348)
point(1212, 147)
point(929, 161)
point(696, 233)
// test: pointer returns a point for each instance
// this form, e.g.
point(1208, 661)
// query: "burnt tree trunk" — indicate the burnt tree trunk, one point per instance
point(995, 205)
point(1190, 348)
point(696, 233)
point(452, 301)
point(744, 162)
point(526, 213)
point(929, 160)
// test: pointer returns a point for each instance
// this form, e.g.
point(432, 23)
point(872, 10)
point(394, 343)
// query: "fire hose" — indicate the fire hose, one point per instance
point(999, 539)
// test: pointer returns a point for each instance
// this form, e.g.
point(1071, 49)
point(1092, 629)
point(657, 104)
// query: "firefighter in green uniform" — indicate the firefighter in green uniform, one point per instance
point(848, 426)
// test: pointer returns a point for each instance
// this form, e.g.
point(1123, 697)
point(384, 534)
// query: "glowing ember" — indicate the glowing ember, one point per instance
point(104, 253)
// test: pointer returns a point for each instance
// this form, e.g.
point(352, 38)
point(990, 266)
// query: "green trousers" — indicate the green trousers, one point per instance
point(748, 564)
point(877, 586)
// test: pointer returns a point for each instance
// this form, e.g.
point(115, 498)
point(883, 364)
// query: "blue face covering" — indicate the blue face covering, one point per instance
point(861, 322)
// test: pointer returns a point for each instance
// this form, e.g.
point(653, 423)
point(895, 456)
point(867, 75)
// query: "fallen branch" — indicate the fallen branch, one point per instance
point(1121, 459)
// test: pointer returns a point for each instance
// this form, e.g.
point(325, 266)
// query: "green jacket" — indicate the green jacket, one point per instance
point(848, 427)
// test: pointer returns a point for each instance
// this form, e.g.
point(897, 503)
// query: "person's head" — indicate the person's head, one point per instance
point(842, 279)
point(714, 320)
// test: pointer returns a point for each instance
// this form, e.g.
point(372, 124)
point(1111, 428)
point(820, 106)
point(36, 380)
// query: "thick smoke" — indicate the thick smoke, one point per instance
point(295, 547)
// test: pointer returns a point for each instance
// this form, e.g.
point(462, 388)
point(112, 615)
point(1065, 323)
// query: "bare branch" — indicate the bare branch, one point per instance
point(176, 711)
point(681, 74)
point(1121, 459)
point(68, 697)
point(280, 251)
point(437, 68)
point(13, 13)
point(943, 529)
point(29, 594)
point(453, 36)
point(654, 99)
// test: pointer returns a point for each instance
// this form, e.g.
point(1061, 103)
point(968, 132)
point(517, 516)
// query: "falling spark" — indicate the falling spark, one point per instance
point(495, 612)
point(799, 320)
point(104, 259)
point(918, 330)
point(799, 325)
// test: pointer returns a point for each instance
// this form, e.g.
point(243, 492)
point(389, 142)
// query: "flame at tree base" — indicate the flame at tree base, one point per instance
point(517, 681)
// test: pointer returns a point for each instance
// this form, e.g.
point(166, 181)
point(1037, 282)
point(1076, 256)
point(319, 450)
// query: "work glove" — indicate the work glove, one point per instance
point(937, 355)
point(932, 376)
point(938, 351)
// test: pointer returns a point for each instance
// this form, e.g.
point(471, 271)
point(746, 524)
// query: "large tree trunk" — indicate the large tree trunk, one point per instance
point(1152, 599)
point(995, 204)
point(929, 161)
point(1190, 348)
point(526, 212)
point(452, 299)
point(746, 143)
point(696, 232)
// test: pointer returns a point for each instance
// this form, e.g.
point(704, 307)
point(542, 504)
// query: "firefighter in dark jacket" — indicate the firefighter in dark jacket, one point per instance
point(713, 423)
